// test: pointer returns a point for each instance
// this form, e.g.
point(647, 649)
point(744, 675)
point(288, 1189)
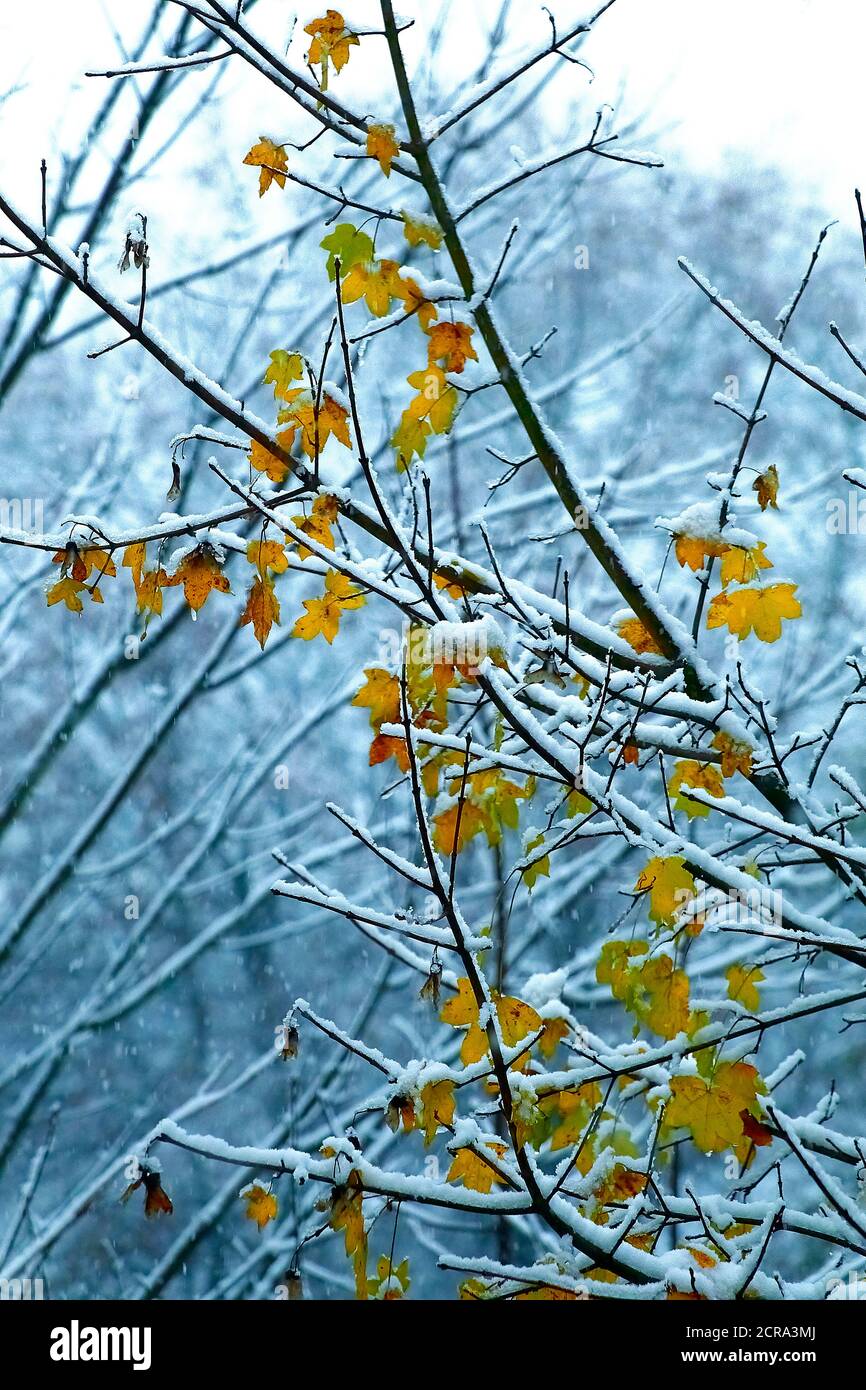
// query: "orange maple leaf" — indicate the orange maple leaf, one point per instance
point(200, 574)
point(451, 343)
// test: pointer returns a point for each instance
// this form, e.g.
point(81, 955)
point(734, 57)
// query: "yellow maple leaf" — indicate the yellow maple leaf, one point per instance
point(148, 584)
point(694, 551)
point(135, 558)
point(377, 282)
point(711, 1107)
point(347, 1215)
point(669, 885)
point(268, 555)
point(690, 773)
point(346, 1212)
point(409, 439)
point(323, 614)
point(472, 1170)
point(262, 1206)
point(199, 572)
point(331, 44)
point(743, 983)
point(554, 1030)
point(574, 1109)
point(492, 801)
point(67, 591)
point(702, 1257)
point(148, 592)
point(661, 998)
point(614, 965)
point(436, 401)
point(740, 565)
point(392, 1281)
point(758, 610)
point(453, 588)
point(736, 756)
point(548, 1293)
point(455, 827)
point(380, 694)
point(451, 343)
point(284, 369)
point(318, 423)
point(437, 1108)
point(766, 485)
point(382, 145)
point(414, 300)
point(537, 868)
point(421, 231)
point(621, 1184)
point(81, 563)
point(262, 609)
point(318, 524)
point(272, 163)
point(98, 562)
point(268, 463)
point(516, 1020)
point(632, 630)
point(462, 1012)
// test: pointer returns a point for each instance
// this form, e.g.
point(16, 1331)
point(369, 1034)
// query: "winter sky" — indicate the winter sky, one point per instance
point(779, 79)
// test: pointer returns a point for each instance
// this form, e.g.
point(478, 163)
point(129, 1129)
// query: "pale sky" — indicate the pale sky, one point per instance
point(780, 80)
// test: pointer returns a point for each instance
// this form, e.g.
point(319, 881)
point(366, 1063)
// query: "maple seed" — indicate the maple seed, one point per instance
point(431, 989)
point(290, 1042)
point(766, 485)
point(156, 1200)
